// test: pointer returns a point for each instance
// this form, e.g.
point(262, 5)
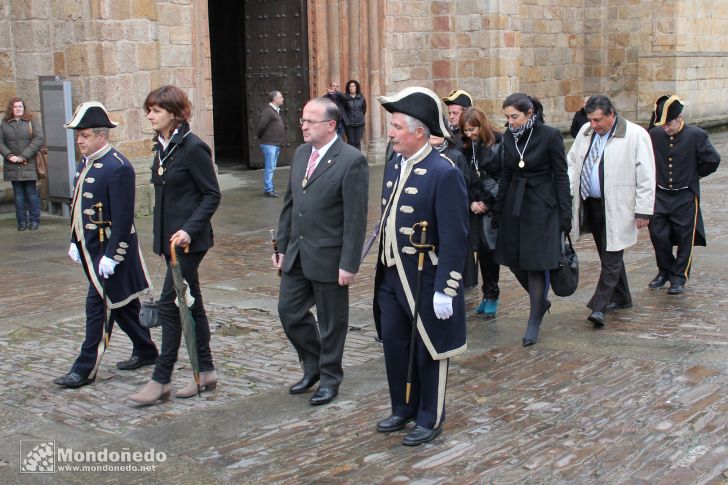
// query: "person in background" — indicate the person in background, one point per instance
point(270, 133)
point(333, 93)
point(186, 196)
point(457, 102)
point(355, 110)
point(20, 140)
point(579, 119)
point(533, 206)
point(683, 154)
point(482, 149)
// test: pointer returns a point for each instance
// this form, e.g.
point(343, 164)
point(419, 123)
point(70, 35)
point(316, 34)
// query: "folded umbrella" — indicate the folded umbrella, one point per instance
point(184, 302)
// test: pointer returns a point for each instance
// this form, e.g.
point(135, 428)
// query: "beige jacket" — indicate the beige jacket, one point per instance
point(629, 180)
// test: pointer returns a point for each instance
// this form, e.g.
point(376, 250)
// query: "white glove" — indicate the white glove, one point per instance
point(442, 305)
point(73, 254)
point(106, 267)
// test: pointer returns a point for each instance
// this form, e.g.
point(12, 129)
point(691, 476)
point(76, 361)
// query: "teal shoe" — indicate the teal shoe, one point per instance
point(490, 308)
point(481, 307)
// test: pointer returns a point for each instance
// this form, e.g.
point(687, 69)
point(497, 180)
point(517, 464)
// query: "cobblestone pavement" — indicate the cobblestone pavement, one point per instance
point(641, 401)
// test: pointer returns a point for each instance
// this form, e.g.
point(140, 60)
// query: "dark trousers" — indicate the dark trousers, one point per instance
point(354, 134)
point(490, 270)
point(612, 286)
point(320, 345)
point(673, 223)
point(429, 377)
point(169, 315)
point(128, 319)
point(26, 193)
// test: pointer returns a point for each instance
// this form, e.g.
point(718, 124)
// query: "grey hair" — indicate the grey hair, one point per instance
point(413, 123)
point(101, 131)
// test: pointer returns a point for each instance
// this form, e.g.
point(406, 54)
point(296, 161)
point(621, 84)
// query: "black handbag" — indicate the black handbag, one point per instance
point(148, 313)
point(565, 279)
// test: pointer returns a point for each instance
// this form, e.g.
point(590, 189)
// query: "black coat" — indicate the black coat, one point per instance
point(532, 200)
point(355, 108)
point(484, 171)
point(187, 194)
point(580, 119)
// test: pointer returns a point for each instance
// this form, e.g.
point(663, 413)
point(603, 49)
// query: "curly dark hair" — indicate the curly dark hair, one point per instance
point(27, 115)
point(356, 83)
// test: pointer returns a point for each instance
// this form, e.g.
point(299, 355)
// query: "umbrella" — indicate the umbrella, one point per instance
point(106, 329)
point(184, 302)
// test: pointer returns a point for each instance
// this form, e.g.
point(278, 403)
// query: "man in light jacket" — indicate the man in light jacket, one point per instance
point(612, 173)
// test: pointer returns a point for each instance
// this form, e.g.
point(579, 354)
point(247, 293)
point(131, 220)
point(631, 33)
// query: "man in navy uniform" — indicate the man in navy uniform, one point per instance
point(104, 187)
point(457, 102)
point(420, 185)
point(683, 154)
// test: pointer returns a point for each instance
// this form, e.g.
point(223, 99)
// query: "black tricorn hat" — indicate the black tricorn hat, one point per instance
point(667, 108)
point(420, 103)
point(90, 114)
point(459, 97)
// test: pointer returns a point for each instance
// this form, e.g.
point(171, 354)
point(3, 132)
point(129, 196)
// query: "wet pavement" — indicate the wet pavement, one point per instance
point(645, 400)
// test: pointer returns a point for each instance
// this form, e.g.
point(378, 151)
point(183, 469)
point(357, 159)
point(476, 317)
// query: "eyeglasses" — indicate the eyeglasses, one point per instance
point(310, 122)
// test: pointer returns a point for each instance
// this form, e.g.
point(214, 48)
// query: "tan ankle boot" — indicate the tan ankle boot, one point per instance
point(152, 392)
point(208, 382)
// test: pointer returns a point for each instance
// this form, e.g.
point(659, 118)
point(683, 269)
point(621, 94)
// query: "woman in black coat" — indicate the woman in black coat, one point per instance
point(20, 140)
point(355, 107)
point(481, 146)
point(186, 195)
point(533, 205)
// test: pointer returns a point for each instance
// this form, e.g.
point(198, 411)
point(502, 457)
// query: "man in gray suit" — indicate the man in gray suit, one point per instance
point(320, 236)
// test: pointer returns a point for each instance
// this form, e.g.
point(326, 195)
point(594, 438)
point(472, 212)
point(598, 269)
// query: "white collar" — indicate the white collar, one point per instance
point(322, 151)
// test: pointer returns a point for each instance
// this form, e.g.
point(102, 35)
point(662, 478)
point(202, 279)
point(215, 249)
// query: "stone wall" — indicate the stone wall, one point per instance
point(112, 51)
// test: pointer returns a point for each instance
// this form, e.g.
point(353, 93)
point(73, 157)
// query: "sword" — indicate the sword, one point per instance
point(101, 225)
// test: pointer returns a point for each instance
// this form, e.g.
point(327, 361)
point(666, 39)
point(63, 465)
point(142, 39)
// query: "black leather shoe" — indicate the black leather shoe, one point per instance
point(675, 289)
point(72, 380)
point(658, 282)
point(392, 423)
point(134, 362)
point(22, 227)
point(271, 194)
point(597, 318)
point(304, 384)
point(617, 306)
point(323, 395)
point(421, 435)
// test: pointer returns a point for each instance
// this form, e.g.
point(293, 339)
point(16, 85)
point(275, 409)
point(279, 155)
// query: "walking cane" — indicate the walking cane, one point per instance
point(422, 248)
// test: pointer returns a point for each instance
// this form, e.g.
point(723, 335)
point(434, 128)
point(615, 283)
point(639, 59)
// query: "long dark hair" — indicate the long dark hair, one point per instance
point(523, 103)
point(476, 117)
point(27, 115)
point(356, 83)
point(172, 99)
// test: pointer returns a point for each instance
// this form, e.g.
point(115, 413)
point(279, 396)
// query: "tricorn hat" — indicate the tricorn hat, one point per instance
point(90, 114)
point(667, 108)
point(459, 97)
point(420, 103)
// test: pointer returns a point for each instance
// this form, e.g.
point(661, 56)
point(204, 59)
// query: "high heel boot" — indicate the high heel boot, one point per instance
point(152, 392)
point(534, 326)
point(208, 382)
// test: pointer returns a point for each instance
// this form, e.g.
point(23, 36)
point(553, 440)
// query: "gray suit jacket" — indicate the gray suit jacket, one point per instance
point(324, 223)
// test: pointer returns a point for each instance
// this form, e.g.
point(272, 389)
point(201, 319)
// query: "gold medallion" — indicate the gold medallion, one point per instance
point(521, 164)
point(160, 170)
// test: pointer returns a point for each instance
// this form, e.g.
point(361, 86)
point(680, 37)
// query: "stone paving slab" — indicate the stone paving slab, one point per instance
point(642, 401)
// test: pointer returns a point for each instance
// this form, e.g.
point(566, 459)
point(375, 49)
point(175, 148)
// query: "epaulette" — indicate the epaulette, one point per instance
point(118, 158)
point(447, 158)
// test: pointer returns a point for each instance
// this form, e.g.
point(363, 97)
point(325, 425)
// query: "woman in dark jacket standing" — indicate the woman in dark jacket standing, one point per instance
point(533, 204)
point(186, 195)
point(482, 149)
point(356, 108)
point(20, 140)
